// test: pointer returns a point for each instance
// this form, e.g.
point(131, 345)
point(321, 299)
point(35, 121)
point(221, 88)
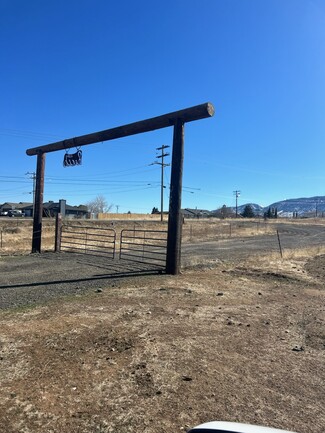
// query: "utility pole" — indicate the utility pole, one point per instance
point(32, 175)
point(237, 194)
point(163, 165)
point(117, 206)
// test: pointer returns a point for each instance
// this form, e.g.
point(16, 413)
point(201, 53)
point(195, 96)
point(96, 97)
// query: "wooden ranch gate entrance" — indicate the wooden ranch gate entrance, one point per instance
point(177, 120)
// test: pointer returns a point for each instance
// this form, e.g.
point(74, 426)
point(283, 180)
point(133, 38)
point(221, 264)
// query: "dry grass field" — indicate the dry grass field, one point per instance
point(16, 234)
point(237, 340)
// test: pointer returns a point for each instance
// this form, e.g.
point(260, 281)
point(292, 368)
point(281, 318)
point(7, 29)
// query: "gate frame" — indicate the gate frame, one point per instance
point(177, 119)
point(89, 247)
point(145, 239)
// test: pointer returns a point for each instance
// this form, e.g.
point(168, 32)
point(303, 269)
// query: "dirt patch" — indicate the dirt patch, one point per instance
point(316, 267)
point(239, 342)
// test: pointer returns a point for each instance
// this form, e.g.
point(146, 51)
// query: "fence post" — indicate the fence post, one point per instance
point(58, 231)
point(277, 233)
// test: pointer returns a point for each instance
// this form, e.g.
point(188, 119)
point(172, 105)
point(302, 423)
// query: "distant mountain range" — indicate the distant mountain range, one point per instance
point(311, 206)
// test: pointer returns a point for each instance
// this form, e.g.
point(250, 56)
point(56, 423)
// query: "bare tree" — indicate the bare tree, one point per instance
point(99, 205)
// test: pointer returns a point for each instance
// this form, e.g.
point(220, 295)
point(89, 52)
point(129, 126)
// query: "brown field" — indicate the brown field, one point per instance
point(237, 340)
point(129, 217)
point(16, 234)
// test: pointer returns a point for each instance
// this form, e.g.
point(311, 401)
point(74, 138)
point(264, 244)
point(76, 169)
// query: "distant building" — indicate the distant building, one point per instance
point(50, 209)
point(8, 206)
point(196, 213)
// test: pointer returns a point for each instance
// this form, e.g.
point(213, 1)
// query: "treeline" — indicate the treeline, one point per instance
point(248, 212)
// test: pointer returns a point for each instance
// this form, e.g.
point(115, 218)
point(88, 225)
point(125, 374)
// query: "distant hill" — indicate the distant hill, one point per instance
point(306, 206)
point(303, 206)
point(258, 210)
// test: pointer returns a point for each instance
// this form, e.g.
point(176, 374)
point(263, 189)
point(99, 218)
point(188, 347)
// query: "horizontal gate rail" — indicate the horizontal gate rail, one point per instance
point(88, 240)
point(144, 246)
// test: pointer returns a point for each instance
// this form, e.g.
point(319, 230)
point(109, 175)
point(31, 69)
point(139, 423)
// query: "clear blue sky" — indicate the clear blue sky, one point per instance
point(71, 67)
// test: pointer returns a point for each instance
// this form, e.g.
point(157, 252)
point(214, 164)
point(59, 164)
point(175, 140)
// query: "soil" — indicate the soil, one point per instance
point(240, 341)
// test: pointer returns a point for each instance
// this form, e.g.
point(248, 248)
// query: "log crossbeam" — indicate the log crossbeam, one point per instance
point(187, 115)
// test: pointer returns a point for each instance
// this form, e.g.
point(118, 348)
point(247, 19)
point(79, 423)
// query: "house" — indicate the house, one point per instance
point(7, 206)
point(195, 213)
point(50, 209)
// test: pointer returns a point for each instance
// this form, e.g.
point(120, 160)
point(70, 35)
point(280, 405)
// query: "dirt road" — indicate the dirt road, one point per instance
point(292, 237)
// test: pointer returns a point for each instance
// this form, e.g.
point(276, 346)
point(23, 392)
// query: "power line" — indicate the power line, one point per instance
point(32, 135)
point(126, 172)
point(76, 194)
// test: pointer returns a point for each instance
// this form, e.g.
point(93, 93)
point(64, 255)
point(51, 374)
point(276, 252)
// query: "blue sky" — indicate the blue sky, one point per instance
point(72, 67)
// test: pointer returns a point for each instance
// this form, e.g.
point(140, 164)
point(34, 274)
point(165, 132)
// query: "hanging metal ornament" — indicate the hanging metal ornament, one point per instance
point(72, 159)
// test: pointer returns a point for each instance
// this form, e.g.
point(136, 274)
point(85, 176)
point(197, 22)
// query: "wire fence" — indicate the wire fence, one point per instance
point(259, 234)
point(195, 231)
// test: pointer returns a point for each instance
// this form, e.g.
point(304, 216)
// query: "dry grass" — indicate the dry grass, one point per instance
point(130, 217)
point(159, 355)
point(163, 354)
point(213, 228)
point(307, 252)
point(16, 234)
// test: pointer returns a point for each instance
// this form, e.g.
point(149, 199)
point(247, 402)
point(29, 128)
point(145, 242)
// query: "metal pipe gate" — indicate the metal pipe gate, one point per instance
point(88, 240)
point(144, 246)
point(148, 247)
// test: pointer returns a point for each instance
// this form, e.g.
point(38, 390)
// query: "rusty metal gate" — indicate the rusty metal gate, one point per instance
point(88, 240)
point(144, 246)
point(148, 247)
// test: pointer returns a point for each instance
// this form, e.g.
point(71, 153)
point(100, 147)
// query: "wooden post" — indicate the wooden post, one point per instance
point(58, 229)
point(279, 242)
point(38, 210)
point(173, 259)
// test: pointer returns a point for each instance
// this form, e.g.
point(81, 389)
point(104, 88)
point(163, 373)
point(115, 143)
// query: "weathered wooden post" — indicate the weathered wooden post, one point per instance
point(38, 208)
point(58, 230)
point(173, 259)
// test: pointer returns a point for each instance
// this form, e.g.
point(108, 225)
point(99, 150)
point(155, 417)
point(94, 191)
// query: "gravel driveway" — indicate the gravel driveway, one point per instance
point(35, 278)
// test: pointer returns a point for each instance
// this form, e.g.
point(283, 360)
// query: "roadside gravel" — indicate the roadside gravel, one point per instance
point(36, 279)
